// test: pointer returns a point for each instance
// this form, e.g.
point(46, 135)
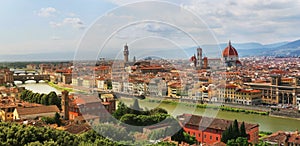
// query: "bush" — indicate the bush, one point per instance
point(48, 120)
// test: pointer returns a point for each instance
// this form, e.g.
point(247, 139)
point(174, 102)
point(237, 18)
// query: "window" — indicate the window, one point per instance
point(217, 138)
point(210, 137)
point(199, 135)
point(204, 135)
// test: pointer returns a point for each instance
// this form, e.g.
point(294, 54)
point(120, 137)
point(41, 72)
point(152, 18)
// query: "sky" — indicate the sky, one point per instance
point(59, 26)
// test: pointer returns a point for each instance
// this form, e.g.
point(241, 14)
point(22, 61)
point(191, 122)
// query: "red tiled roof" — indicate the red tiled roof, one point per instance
point(37, 110)
point(249, 91)
point(196, 122)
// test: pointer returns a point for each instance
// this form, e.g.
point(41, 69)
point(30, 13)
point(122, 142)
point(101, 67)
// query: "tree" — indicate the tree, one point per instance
point(225, 136)
point(240, 141)
point(54, 100)
point(116, 133)
point(158, 110)
point(235, 130)
point(45, 100)
point(57, 119)
point(243, 130)
point(129, 119)
point(262, 143)
point(121, 110)
point(182, 136)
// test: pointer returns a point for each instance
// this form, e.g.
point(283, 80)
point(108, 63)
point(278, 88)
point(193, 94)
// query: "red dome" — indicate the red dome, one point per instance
point(230, 51)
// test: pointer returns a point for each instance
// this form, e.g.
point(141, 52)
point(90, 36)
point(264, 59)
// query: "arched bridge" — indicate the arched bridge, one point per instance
point(36, 78)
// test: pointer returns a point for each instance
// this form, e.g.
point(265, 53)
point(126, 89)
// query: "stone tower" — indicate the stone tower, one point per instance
point(134, 59)
point(126, 53)
point(199, 58)
point(65, 104)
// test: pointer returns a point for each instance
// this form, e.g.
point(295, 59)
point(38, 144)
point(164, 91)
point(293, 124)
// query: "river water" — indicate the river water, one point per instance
point(39, 88)
point(266, 123)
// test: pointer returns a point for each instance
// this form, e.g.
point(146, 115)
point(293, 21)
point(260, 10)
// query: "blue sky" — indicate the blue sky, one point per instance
point(35, 26)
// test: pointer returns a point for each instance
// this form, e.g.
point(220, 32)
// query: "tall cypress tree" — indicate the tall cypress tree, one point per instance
point(225, 136)
point(243, 130)
point(235, 130)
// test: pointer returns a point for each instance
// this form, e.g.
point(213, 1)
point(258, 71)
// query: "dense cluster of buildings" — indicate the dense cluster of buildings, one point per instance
point(248, 81)
point(6, 76)
point(228, 79)
point(257, 81)
point(283, 138)
point(14, 109)
point(74, 107)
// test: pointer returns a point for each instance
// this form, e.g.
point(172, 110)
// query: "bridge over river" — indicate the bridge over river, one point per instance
point(23, 76)
point(36, 78)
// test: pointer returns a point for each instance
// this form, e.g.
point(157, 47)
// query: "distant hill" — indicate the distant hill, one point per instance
point(253, 49)
point(279, 49)
point(244, 49)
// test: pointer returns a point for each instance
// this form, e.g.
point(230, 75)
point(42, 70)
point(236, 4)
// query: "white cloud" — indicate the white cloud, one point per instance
point(74, 22)
point(256, 20)
point(47, 12)
point(264, 21)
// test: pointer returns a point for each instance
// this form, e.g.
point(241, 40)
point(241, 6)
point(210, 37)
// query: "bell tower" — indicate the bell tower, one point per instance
point(65, 104)
point(199, 58)
point(126, 53)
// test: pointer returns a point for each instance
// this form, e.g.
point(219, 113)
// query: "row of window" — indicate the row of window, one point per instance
point(199, 135)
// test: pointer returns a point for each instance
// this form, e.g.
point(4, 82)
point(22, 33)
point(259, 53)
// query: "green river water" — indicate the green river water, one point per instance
point(266, 123)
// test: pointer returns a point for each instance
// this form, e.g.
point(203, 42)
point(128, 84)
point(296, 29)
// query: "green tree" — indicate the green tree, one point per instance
point(182, 136)
point(57, 119)
point(116, 133)
point(122, 109)
point(225, 136)
point(243, 130)
point(158, 110)
point(53, 99)
point(240, 141)
point(45, 100)
point(262, 143)
point(129, 119)
point(235, 130)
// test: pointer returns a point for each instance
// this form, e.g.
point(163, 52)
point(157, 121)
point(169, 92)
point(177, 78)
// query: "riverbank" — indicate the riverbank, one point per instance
point(58, 87)
point(210, 106)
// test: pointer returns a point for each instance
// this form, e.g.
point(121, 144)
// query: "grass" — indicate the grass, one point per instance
point(263, 134)
point(59, 87)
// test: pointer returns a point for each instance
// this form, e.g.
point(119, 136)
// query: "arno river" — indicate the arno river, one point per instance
point(266, 123)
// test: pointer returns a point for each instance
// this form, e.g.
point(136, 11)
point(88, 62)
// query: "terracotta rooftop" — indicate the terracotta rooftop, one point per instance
point(37, 110)
point(282, 137)
point(77, 129)
point(249, 91)
point(197, 122)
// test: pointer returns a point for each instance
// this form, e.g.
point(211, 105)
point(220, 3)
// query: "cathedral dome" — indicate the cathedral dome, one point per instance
point(230, 51)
